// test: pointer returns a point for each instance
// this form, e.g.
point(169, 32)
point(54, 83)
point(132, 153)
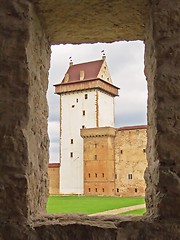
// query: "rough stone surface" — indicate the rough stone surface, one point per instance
point(24, 61)
point(93, 21)
point(54, 176)
point(162, 64)
point(80, 227)
point(130, 158)
point(99, 171)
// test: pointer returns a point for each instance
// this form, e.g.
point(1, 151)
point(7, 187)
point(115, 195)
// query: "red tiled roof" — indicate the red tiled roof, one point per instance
point(91, 70)
point(132, 127)
point(54, 165)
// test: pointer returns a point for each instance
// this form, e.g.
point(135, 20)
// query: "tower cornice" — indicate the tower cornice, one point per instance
point(86, 85)
point(98, 132)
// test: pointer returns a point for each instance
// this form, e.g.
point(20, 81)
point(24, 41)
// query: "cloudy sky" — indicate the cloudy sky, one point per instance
point(126, 65)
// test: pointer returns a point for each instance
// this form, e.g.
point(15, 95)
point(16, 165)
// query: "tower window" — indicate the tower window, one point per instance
point(135, 189)
point(117, 190)
point(103, 189)
point(71, 154)
point(130, 176)
point(144, 150)
point(95, 157)
point(89, 189)
point(121, 151)
point(96, 175)
point(73, 106)
point(84, 112)
point(96, 189)
point(95, 145)
point(86, 96)
point(83, 126)
point(71, 141)
point(102, 174)
point(76, 99)
point(89, 175)
point(115, 176)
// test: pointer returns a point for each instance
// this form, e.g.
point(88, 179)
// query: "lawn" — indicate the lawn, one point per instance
point(88, 204)
point(134, 212)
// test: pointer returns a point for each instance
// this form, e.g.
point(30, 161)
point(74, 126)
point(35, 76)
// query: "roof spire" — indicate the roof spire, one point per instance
point(103, 55)
point(70, 61)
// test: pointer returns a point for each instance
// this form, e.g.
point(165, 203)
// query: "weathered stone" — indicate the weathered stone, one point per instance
point(54, 176)
point(130, 158)
point(93, 21)
point(162, 70)
point(24, 61)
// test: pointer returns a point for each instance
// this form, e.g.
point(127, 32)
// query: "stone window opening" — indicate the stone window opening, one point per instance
point(77, 100)
point(117, 190)
point(152, 33)
point(130, 176)
point(89, 189)
point(96, 189)
point(113, 190)
point(144, 150)
point(103, 189)
point(72, 141)
point(89, 175)
point(103, 175)
point(71, 154)
point(95, 157)
point(135, 190)
point(96, 175)
point(86, 96)
point(84, 112)
point(73, 106)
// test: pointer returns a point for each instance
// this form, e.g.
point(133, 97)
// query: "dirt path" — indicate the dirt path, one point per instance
point(119, 210)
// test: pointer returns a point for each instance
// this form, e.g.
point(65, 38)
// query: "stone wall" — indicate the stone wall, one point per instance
point(23, 126)
point(107, 21)
point(23, 131)
point(54, 178)
point(130, 161)
point(98, 161)
point(162, 63)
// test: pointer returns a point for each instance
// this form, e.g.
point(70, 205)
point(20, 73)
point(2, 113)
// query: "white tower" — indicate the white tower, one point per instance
point(86, 101)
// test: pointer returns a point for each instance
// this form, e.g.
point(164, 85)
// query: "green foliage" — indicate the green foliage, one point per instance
point(134, 212)
point(89, 204)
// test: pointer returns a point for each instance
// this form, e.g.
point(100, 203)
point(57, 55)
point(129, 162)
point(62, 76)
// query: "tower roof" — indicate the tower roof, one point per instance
point(90, 69)
point(88, 75)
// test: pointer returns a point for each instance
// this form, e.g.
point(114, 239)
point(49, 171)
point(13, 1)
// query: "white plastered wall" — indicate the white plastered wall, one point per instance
point(71, 170)
point(106, 110)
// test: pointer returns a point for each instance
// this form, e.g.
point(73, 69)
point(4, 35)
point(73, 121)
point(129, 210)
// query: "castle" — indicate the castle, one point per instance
point(95, 157)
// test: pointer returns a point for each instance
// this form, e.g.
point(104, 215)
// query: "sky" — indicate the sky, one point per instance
point(125, 62)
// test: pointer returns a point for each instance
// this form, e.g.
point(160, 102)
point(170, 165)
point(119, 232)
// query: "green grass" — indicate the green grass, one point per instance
point(88, 204)
point(134, 212)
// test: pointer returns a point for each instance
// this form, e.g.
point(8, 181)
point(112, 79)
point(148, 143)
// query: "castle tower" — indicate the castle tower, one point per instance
point(86, 101)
